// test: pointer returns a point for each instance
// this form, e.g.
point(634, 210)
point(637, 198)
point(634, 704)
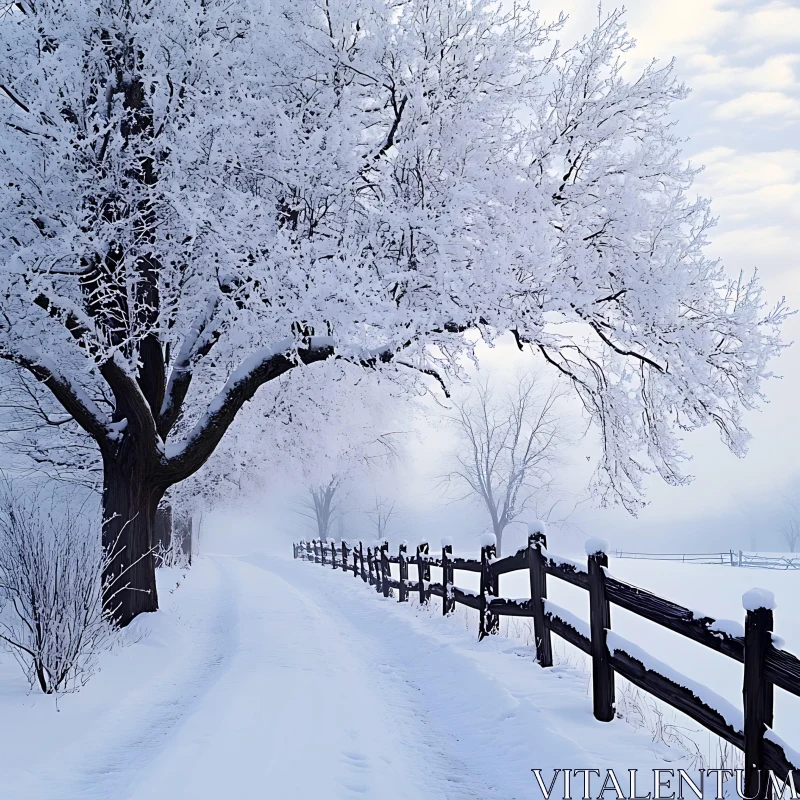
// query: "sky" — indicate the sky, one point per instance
point(742, 122)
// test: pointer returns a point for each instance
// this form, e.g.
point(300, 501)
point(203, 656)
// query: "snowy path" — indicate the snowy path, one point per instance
point(298, 682)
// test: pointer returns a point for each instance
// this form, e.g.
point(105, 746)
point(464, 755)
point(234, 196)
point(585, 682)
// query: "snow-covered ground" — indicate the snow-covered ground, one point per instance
point(714, 590)
point(264, 676)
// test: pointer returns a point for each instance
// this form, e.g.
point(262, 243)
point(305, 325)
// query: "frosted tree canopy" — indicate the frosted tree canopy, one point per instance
point(201, 195)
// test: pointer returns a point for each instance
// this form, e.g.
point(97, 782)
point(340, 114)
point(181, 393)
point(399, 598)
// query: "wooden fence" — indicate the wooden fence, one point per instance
point(765, 665)
point(732, 558)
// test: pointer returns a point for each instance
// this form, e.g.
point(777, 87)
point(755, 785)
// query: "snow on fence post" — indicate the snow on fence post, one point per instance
point(402, 563)
point(599, 623)
point(376, 562)
point(344, 555)
point(757, 691)
point(361, 559)
point(333, 553)
point(488, 623)
point(318, 559)
point(372, 578)
point(537, 540)
point(448, 599)
point(386, 569)
point(423, 571)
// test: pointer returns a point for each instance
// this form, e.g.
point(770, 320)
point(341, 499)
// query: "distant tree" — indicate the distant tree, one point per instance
point(201, 196)
point(381, 516)
point(321, 506)
point(791, 533)
point(509, 447)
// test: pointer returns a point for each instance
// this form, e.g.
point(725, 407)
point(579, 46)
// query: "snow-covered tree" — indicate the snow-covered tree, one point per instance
point(509, 448)
point(203, 195)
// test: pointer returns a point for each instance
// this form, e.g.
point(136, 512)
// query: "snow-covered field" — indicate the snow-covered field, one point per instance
point(714, 590)
point(264, 676)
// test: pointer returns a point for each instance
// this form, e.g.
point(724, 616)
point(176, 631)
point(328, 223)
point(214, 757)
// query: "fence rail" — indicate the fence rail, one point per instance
point(732, 558)
point(765, 665)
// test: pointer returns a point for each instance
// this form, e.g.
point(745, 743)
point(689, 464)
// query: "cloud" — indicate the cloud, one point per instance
point(716, 74)
point(752, 105)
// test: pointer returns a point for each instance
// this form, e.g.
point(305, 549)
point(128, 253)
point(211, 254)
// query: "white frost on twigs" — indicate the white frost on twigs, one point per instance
point(596, 545)
point(756, 598)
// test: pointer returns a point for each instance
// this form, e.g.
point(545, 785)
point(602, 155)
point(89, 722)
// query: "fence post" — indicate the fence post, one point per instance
point(537, 541)
point(361, 559)
point(344, 555)
point(372, 579)
point(318, 559)
point(600, 622)
point(354, 551)
point(448, 601)
point(333, 554)
point(323, 546)
point(402, 562)
point(756, 690)
point(488, 623)
point(423, 571)
point(386, 569)
point(376, 561)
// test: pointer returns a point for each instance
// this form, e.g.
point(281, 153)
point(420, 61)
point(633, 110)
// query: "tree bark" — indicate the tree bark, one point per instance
point(498, 534)
point(129, 510)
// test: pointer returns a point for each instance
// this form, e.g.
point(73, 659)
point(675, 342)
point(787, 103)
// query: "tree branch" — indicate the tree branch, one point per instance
point(71, 397)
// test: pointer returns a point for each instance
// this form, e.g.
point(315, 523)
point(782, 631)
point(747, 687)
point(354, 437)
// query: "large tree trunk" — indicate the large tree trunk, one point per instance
point(498, 532)
point(129, 510)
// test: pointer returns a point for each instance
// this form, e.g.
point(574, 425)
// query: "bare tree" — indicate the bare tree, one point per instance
point(508, 450)
point(790, 529)
point(321, 506)
point(791, 533)
point(51, 567)
point(381, 515)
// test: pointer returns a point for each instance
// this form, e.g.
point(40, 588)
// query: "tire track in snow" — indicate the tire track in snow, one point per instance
point(137, 732)
point(431, 749)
